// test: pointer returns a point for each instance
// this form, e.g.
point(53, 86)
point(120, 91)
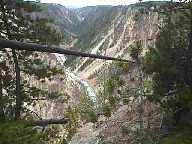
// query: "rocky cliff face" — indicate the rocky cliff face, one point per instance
point(110, 31)
point(65, 20)
point(126, 25)
point(117, 32)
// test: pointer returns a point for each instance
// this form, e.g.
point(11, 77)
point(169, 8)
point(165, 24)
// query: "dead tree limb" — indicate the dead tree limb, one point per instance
point(52, 49)
point(44, 123)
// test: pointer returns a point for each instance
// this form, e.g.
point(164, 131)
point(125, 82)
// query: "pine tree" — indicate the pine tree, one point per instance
point(16, 24)
point(170, 65)
point(16, 66)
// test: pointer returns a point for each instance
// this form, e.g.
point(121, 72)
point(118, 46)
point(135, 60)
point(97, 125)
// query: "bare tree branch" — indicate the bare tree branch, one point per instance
point(44, 123)
point(52, 49)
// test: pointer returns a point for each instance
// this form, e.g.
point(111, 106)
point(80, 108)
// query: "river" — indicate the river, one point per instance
point(76, 78)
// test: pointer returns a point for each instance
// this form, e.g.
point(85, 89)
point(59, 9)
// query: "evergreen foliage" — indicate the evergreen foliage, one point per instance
point(87, 109)
point(15, 89)
point(17, 132)
point(170, 65)
point(30, 63)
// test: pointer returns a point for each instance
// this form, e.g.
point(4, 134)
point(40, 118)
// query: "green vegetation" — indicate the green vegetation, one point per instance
point(179, 137)
point(87, 109)
point(113, 79)
point(17, 66)
point(107, 100)
point(17, 132)
point(135, 50)
point(73, 114)
point(170, 66)
point(110, 84)
point(123, 67)
point(163, 76)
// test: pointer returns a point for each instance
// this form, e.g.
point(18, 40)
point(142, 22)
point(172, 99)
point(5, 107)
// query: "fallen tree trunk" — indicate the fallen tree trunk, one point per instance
point(44, 123)
point(52, 49)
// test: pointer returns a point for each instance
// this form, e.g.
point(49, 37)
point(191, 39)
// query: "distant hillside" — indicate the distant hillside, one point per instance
point(94, 20)
point(84, 28)
point(64, 18)
point(87, 22)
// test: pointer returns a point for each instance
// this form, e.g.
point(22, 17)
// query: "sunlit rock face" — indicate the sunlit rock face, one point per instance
point(103, 30)
point(67, 84)
point(86, 135)
point(110, 130)
point(125, 26)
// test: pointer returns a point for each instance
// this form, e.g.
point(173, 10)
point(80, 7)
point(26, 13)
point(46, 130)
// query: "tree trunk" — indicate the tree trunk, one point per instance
point(53, 49)
point(1, 85)
point(44, 123)
point(1, 96)
point(19, 100)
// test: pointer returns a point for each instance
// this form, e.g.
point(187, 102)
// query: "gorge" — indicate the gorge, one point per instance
point(97, 74)
point(103, 30)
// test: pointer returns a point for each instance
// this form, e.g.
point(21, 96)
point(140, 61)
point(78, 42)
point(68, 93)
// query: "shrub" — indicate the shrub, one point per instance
point(16, 132)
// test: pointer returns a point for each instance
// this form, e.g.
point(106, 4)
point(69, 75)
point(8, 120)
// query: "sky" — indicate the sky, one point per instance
point(82, 3)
